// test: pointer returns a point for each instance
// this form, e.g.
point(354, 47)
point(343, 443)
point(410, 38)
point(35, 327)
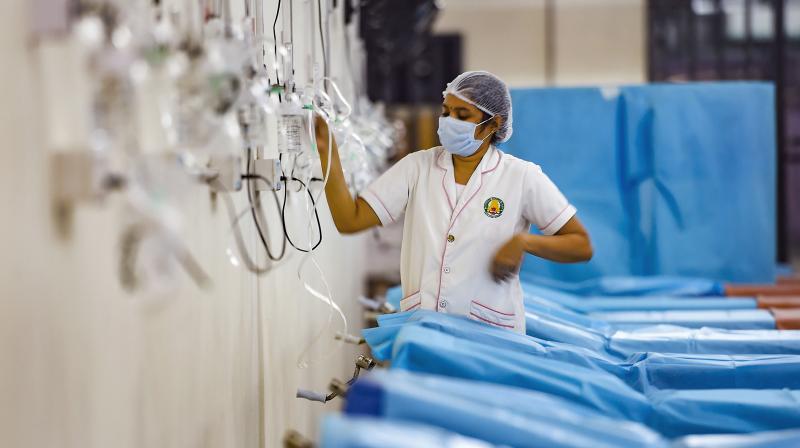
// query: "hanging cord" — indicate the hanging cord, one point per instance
point(256, 206)
point(283, 212)
point(275, 44)
point(322, 40)
point(241, 247)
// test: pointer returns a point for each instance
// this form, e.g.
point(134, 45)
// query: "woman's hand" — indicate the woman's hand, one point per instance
point(508, 259)
point(571, 244)
point(349, 215)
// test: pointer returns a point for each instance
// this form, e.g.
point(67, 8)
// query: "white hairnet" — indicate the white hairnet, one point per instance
point(489, 94)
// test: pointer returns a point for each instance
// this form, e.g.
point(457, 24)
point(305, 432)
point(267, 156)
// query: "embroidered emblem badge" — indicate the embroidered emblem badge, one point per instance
point(493, 207)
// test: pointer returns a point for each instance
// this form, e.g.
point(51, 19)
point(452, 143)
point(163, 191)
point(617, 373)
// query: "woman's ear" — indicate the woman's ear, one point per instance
point(498, 121)
point(494, 124)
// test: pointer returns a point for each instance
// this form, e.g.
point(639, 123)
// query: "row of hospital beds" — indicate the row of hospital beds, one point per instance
point(621, 362)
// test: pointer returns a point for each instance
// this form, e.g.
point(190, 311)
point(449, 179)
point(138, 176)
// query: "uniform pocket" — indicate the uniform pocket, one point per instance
point(491, 315)
point(411, 302)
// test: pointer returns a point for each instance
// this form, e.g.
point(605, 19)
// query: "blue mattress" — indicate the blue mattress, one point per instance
point(495, 413)
point(641, 371)
point(697, 318)
point(671, 412)
point(586, 304)
point(340, 431)
point(730, 319)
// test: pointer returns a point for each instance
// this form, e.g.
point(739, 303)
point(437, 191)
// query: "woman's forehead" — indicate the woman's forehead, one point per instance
point(454, 102)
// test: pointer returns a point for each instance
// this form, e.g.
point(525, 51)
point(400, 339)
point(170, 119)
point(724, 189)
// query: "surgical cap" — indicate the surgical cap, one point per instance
point(489, 94)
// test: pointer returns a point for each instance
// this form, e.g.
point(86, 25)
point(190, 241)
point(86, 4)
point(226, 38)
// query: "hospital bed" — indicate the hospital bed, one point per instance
point(390, 420)
point(641, 371)
point(670, 412)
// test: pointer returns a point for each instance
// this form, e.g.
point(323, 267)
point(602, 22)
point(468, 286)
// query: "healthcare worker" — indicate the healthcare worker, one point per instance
point(468, 210)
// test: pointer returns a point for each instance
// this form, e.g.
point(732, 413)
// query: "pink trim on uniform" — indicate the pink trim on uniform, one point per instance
point(499, 156)
point(490, 322)
point(492, 309)
point(444, 176)
point(453, 221)
point(446, 194)
point(554, 219)
point(441, 268)
point(408, 296)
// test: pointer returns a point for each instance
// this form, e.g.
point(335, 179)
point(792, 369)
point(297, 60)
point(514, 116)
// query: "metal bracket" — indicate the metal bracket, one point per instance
point(337, 387)
point(293, 439)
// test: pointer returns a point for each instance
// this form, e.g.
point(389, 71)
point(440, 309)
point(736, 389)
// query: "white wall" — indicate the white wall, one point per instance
point(600, 42)
point(596, 41)
point(505, 40)
point(85, 364)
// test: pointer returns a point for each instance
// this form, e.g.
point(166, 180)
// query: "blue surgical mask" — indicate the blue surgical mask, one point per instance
point(458, 136)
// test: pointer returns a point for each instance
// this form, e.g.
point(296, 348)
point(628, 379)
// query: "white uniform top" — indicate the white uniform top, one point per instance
point(449, 243)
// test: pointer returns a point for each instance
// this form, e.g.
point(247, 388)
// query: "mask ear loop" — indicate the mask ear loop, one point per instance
point(482, 122)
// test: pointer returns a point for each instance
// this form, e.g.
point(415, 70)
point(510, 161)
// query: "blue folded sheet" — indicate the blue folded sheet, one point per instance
point(358, 431)
point(339, 431)
point(382, 412)
point(607, 303)
point(729, 319)
point(573, 311)
point(667, 339)
point(497, 414)
point(789, 438)
point(641, 371)
point(633, 303)
point(672, 413)
point(637, 286)
point(664, 339)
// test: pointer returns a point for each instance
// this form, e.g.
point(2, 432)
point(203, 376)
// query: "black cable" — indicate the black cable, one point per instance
point(285, 196)
point(322, 40)
point(275, 43)
point(249, 176)
point(283, 215)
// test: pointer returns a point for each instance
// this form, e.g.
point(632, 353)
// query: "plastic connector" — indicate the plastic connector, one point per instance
point(227, 171)
point(349, 338)
point(311, 395)
point(269, 170)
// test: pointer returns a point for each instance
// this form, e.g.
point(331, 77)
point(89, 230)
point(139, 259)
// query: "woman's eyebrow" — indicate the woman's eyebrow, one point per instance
point(455, 108)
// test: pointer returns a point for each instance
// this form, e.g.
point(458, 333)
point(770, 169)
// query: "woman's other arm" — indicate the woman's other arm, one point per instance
point(571, 244)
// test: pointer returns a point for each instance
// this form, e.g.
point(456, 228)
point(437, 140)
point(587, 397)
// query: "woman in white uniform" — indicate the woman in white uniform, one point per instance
point(468, 210)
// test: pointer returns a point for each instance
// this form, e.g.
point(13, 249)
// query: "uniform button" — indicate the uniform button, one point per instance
point(447, 270)
point(450, 238)
point(443, 303)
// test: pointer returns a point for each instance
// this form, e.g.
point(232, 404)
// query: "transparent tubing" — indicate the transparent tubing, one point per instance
point(303, 361)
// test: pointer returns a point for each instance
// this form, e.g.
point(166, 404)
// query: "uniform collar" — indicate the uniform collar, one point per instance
point(444, 161)
point(489, 162)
